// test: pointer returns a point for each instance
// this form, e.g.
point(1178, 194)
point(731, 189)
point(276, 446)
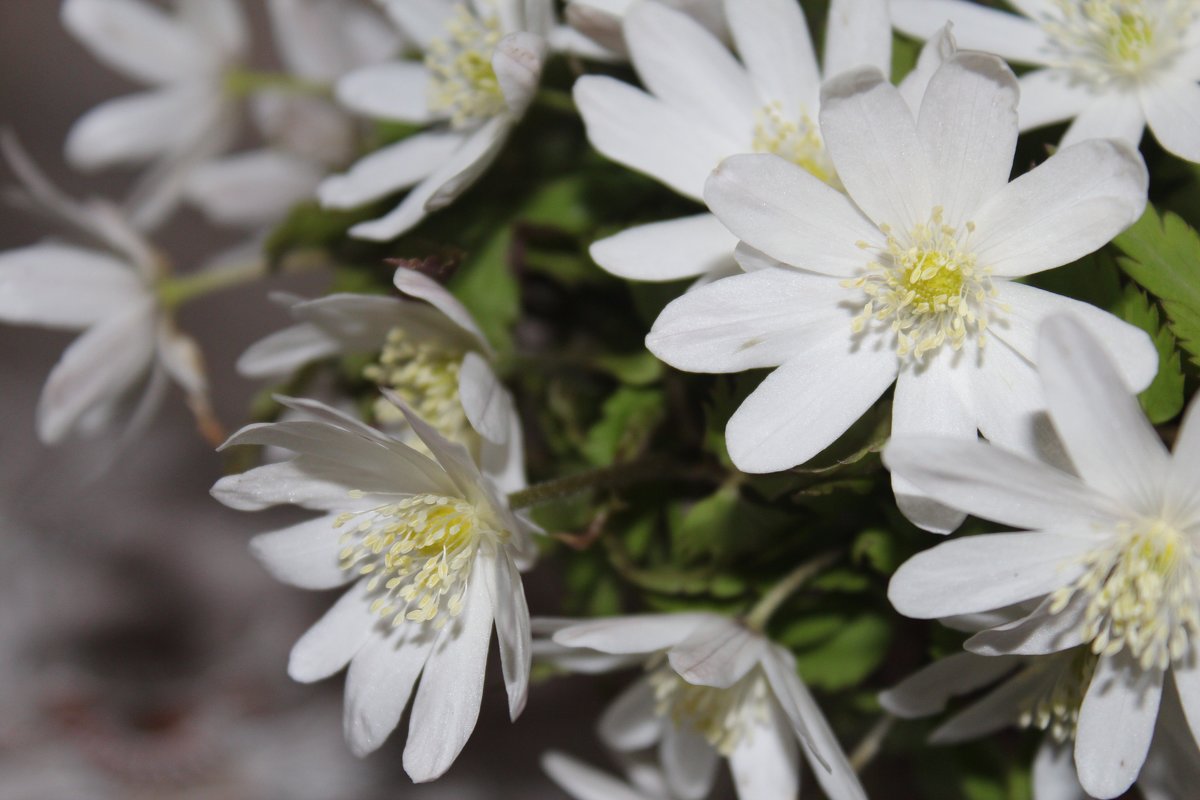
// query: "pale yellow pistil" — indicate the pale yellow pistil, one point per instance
point(425, 374)
point(1056, 708)
point(416, 555)
point(798, 141)
point(927, 288)
point(463, 84)
point(1142, 595)
point(724, 717)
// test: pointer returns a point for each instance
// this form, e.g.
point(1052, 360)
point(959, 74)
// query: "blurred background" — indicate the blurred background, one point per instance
point(142, 650)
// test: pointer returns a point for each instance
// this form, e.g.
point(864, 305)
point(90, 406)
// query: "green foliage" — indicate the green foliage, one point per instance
point(627, 420)
point(1163, 398)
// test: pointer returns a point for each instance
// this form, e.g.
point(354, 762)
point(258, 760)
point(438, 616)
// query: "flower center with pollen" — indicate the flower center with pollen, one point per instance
point(926, 288)
point(724, 717)
point(1141, 594)
point(1107, 40)
point(425, 374)
point(416, 554)
point(1055, 708)
point(463, 84)
point(796, 141)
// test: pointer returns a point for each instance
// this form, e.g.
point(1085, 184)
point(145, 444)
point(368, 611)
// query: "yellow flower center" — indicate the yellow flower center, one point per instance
point(798, 141)
point(1142, 595)
point(463, 84)
point(1107, 40)
point(1055, 708)
point(926, 288)
point(722, 716)
point(417, 555)
point(425, 374)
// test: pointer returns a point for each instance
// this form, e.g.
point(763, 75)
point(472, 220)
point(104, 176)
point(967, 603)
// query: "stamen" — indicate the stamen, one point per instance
point(798, 141)
point(1104, 41)
point(1056, 709)
point(722, 716)
point(425, 374)
point(463, 83)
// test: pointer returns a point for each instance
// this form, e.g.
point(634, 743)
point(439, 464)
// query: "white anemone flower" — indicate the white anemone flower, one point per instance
point(1111, 66)
point(906, 277)
point(702, 104)
point(1040, 692)
point(1109, 554)
point(599, 24)
point(431, 549)
point(306, 135)
point(715, 689)
point(587, 783)
point(481, 68)
point(111, 289)
point(185, 117)
point(430, 352)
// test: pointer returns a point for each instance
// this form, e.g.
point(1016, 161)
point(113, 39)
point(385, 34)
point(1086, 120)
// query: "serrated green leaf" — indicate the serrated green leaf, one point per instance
point(1163, 255)
point(1163, 398)
point(628, 418)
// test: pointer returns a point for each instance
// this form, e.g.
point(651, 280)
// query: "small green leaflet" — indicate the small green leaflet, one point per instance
point(1163, 398)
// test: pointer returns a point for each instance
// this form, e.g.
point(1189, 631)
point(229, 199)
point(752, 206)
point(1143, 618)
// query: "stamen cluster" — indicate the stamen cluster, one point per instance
point(463, 83)
point(425, 374)
point(1056, 709)
point(1119, 40)
point(722, 716)
point(798, 141)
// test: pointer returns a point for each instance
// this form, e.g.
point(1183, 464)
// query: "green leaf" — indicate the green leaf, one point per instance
point(487, 287)
point(634, 369)
point(852, 651)
point(725, 524)
point(627, 420)
point(1163, 398)
point(1164, 257)
point(878, 549)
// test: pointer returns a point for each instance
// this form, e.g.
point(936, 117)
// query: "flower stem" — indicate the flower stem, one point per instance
point(557, 100)
point(175, 291)
point(871, 743)
point(760, 615)
point(245, 82)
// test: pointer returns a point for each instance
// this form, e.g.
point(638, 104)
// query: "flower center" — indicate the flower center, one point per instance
point(1142, 595)
point(418, 552)
point(463, 84)
point(926, 288)
point(797, 141)
point(425, 374)
point(1107, 40)
point(1056, 707)
point(722, 716)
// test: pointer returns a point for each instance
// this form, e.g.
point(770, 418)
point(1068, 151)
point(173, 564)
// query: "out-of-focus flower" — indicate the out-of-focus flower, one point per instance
point(715, 689)
point(482, 64)
point(115, 289)
point(703, 104)
point(432, 550)
point(1112, 560)
point(586, 783)
point(1111, 66)
point(595, 25)
point(430, 352)
point(906, 277)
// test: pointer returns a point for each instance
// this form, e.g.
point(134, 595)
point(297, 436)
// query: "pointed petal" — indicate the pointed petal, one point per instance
point(1124, 698)
point(254, 188)
point(330, 644)
point(1054, 772)
point(138, 40)
point(1172, 107)
point(139, 127)
point(718, 653)
point(59, 286)
point(858, 34)
point(1184, 491)
point(999, 708)
point(303, 555)
point(389, 169)
point(422, 287)
point(929, 689)
point(517, 63)
point(667, 251)
point(487, 404)
point(689, 761)
point(380, 682)
point(1187, 682)
point(283, 352)
point(1050, 96)
point(507, 595)
point(940, 48)
point(277, 484)
point(647, 633)
point(773, 41)
point(629, 723)
point(976, 27)
point(1038, 633)
point(394, 90)
point(1115, 115)
point(584, 783)
point(766, 762)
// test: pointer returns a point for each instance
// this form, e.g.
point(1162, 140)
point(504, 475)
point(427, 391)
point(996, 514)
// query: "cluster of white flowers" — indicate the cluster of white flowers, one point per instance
point(851, 235)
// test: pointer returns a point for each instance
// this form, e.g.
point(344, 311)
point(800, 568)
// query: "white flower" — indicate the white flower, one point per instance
point(595, 25)
point(431, 550)
point(482, 63)
point(185, 117)
point(715, 689)
point(1113, 66)
point(431, 353)
point(702, 104)
point(585, 783)
point(906, 277)
point(130, 350)
point(306, 135)
point(1112, 560)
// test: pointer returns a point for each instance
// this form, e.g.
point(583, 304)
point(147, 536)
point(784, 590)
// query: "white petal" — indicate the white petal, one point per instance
point(968, 124)
point(630, 723)
point(976, 28)
point(219, 23)
point(1063, 209)
point(422, 21)
point(283, 352)
point(643, 133)
point(719, 653)
point(1110, 441)
point(858, 33)
point(254, 188)
point(447, 703)
point(999, 708)
point(784, 211)
point(1115, 115)
point(97, 368)
point(689, 761)
point(396, 90)
point(59, 286)
point(683, 64)
point(928, 690)
point(584, 783)
point(872, 137)
point(1054, 772)
point(766, 762)
point(1187, 681)
point(507, 596)
point(422, 287)
point(390, 169)
point(485, 401)
point(380, 682)
point(1172, 107)
point(1049, 96)
point(139, 127)
point(938, 50)
point(1184, 493)
point(277, 484)
point(517, 63)
point(1129, 347)
point(1123, 700)
point(330, 644)
point(978, 573)
point(759, 319)
point(667, 251)
point(137, 39)
point(803, 406)
point(773, 41)
point(304, 554)
point(648, 633)
point(1038, 633)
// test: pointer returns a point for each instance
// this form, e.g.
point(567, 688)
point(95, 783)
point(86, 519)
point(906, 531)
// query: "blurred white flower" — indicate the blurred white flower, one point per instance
point(1112, 562)
point(116, 290)
point(702, 104)
point(482, 63)
point(905, 278)
point(430, 352)
point(1111, 66)
point(432, 550)
point(715, 689)
point(586, 783)
point(595, 25)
